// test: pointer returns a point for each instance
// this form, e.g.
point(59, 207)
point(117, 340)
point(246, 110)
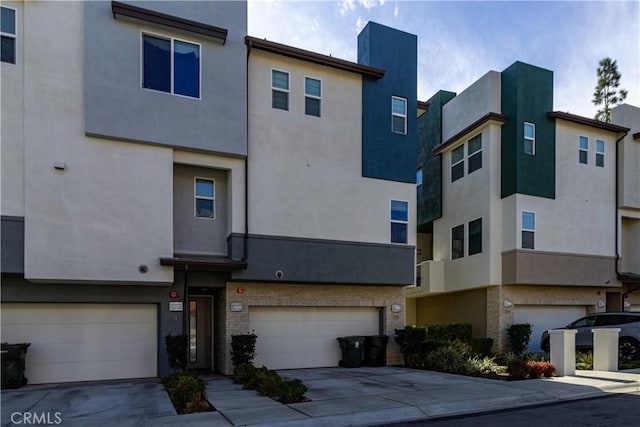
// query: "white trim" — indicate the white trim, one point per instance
point(464, 151)
point(13, 36)
point(581, 150)
point(171, 41)
point(404, 116)
point(306, 95)
point(533, 140)
point(464, 241)
point(601, 153)
point(532, 230)
point(196, 197)
point(477, 152)
point(397, 221)
point(287, 91)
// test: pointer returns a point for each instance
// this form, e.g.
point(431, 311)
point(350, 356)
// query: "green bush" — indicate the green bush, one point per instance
point(410, 340)
point(482, 366)
point(448, 333)
point(243, 348)
point(448, 358)
point(269, 383)
point(519, 337)
point(177, 351)
point(291, 391)
point(242, 373)
point(518, 369)
point(254, 380)
point(482, 346)
point(186, 392)
point(584, 361)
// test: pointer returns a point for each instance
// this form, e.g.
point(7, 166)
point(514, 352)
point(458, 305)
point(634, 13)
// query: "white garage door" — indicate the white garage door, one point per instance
point(82, 342)
point(305, 337)
point(545, 317)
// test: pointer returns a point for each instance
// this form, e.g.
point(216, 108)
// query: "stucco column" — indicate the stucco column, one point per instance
point(563, 351)
point(605, 349)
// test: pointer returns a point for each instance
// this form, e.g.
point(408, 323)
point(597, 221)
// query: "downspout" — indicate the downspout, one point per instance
point(246, 170)
point(185, 303)
point(617, 201)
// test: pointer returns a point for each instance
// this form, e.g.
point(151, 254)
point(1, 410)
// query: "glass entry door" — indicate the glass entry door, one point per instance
point(200, 333)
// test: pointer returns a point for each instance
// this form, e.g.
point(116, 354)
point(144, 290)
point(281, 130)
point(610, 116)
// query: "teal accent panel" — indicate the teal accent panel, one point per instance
point(385, 154)
point(429, 200)
point(527, 96)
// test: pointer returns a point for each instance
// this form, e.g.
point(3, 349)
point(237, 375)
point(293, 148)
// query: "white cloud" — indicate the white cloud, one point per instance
point(396, 10)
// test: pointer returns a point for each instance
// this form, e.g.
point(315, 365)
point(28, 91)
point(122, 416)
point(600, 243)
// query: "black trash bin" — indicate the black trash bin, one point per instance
point(13, 365)
point(352, 348)
point(375, 350)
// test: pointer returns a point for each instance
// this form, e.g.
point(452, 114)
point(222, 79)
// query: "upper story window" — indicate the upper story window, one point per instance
point(399, 115)
point(475, 237)
point(8, 35)
point(279, 90)
point(399, 221)
point(528, 230)
point(205, 198)
point(474, 153)
point(312, 96)
point(457, 242)
point(529, 138)
point(457, 163)
point(583, 150)
point(419, 177)
point(599, 153)
point(171, 65)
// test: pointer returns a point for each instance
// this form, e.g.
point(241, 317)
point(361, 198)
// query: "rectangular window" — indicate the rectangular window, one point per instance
point(529, 138)
point(457, 242)
point(205, 198)
point(475, 236)
point(474, 153)
point(399, 115)
point(8, 35)
point(457, 163)
point(583, 150)
point(528, 230)
point(399, 221)
point(599, 153)
point(170, 65)
point(419, 177)
point(312, 96)
point(280, 90)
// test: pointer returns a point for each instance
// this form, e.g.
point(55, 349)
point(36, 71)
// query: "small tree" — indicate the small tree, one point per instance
point(177, 346)
point(519, 337)
point(607, 94)
point(243, 349)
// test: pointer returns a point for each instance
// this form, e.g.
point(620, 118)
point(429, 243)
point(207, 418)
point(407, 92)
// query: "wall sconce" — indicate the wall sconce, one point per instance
point(600, 304)
point(59, 166)
point(396, 308)
point(508, 303)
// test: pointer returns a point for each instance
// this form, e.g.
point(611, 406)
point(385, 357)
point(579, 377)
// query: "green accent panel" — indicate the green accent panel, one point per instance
point(430, 136)
point(527, 96)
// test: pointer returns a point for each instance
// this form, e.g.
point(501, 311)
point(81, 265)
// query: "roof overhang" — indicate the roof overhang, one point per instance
point(489, 117)
point(587, 122)
point(151, 16)
point(202, 263)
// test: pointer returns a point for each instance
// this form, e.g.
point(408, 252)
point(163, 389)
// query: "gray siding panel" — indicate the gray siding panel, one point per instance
point(117, 107)
point(325, 261)
point(12, 245)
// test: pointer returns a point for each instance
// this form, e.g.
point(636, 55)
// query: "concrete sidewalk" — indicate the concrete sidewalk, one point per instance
point(339, 397)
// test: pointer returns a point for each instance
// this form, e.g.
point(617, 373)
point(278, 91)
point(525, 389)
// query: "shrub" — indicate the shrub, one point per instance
point(447, 333)
point(482, 346)
point(536, 369)
point(518, 369)
point(242, 373)
point(519, 336)
point(549, 369)
point(177, 351)
point(269, 383)
point(186, 392)
point(243, 348)
point(291, 391)
point(584, 361)
point(254, 380)
point(410, 340)
point(482, 366)
point(448, 358)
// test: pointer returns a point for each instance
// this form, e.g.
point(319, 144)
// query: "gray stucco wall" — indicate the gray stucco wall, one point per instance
point(12, 244)
point(116, 106)
point(201, 235)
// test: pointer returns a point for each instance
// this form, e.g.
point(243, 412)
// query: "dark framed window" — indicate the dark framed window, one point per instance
point(280, 90)
point(399, 221)
point(528, 230)
point(599, 153)
point(583, 150)
point(457, 163)
point(312, 96)
point(457, 242)
point(529, 138)
point(475, 236)
point(8, 35)
point(171, 65)
point(398, 115)
point(474, 154)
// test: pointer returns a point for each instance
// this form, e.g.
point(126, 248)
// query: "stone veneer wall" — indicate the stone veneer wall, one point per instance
point(293, 295)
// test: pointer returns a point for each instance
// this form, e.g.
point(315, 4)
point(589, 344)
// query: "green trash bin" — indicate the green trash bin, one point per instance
point(352, 350)
point(13, 365)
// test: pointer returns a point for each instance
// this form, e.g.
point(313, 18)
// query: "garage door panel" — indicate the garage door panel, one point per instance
point(545, 317)
point(305, 337)
point(82, 342)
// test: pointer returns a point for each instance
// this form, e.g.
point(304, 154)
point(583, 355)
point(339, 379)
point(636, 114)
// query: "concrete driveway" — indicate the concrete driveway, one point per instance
point(339, 397)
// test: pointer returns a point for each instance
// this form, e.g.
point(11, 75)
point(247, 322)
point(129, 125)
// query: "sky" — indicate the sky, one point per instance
point(460, 41)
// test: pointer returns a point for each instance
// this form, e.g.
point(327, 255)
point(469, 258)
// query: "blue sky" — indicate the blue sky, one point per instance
point(458, 42)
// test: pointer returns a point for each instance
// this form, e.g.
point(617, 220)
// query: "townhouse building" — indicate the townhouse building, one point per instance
point(163, 173)
point(525, 214)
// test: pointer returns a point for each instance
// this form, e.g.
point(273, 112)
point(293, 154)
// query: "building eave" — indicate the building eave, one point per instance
point(587, 121)
point(202, 263)
point(489, 117)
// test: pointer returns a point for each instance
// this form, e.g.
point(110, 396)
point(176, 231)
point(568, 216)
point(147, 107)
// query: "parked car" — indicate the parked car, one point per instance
point(629, 338)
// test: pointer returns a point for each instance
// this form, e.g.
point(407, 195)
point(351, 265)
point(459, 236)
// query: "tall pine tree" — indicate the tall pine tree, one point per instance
point(607, 94)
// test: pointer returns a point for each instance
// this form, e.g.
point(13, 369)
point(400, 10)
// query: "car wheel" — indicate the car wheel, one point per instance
point(628, 349)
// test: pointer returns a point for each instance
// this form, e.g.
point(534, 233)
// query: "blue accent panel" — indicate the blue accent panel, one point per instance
point(385, 154)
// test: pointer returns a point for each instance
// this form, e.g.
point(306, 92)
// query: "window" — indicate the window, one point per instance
point(8, 35)
point(399, 221)
point(475, 236)
point(457, 242)
point(474, 153)
point(419, 177)
point(280, 90)
point(529, 138)
point(398, 115)
point(457, 163)
point(312, 96)
point(171, 66)
point(583, 150)
point(599, 153)
point(528, 230)
point(205, 198)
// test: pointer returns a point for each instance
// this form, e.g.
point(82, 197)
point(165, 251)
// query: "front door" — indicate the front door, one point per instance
point(200, 333)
